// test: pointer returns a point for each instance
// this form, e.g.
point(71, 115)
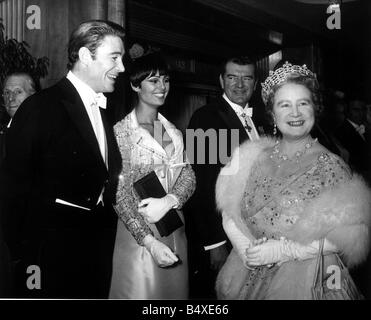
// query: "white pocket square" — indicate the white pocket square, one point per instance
point(66, 203)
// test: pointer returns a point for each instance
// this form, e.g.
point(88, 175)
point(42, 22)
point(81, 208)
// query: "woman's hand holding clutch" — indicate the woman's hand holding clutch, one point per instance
point(153, 209)
point(161, 253)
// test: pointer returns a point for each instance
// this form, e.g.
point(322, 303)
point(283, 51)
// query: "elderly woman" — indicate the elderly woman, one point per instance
point(146, 265)
point(282, 198)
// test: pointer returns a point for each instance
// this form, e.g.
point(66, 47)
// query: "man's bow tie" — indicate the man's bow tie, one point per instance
point(247, 112)
point(101, 100)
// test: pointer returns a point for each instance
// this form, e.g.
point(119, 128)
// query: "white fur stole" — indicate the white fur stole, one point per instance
point(342, 214)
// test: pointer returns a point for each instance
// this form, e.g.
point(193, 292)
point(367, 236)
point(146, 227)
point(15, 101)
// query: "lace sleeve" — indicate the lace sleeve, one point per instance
point(126, 199)
point(185, 185)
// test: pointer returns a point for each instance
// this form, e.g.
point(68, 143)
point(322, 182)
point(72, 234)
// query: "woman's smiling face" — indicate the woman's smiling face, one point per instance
point(154, 89)
point(293, 111)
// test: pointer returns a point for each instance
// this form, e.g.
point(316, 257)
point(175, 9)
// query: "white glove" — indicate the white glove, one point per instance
point(239, 240)
point(153, 209)
point(279, 251)
point(160, 252)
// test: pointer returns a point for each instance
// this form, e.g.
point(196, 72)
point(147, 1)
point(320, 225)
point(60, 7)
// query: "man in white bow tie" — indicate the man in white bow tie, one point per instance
point(231, 111)
point(62, 164)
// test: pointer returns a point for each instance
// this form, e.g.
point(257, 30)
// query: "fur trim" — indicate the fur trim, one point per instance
point(234, 175)
point(341, 214)
point(233, 178)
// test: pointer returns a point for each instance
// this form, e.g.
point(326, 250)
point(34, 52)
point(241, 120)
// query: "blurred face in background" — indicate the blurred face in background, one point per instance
point(238, 82)
point(357, 111)
point(16, 89)
point(339, 115)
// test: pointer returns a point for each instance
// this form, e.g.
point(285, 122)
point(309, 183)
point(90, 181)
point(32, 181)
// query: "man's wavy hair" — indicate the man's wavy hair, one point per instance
point(90, 34)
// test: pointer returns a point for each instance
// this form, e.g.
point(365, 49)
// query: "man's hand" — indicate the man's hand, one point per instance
point(218, 256)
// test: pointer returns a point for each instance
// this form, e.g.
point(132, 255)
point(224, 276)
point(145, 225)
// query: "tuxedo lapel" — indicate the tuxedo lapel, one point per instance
point(353, 136)
point(231, 119)
point(110, 139)
point(75, 108)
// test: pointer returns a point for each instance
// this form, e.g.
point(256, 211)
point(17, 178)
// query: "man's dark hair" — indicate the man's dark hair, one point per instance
point(90, 34)
point(242, 61)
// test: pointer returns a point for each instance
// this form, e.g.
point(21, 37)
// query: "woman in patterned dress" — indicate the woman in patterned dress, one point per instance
point(146, 265)
point(280, 197)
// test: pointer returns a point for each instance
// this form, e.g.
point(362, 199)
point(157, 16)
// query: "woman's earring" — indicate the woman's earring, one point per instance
point(274, 129)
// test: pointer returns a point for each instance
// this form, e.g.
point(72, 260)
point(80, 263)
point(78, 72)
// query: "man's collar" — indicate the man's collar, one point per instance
point(360, 128)
point(87, 94)
point(237, 108)
point(234, 105)
point(353, 124)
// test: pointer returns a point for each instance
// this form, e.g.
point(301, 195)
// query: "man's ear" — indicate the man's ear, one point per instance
point(136, 89)
point(85, 55)
point(221, 81)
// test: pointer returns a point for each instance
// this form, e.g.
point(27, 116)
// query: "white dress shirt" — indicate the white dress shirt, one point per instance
point(91, 101)
point(244, 114)
point(359, 128)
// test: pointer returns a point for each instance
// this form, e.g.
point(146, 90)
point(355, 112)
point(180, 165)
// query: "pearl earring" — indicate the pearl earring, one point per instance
point(274, 129)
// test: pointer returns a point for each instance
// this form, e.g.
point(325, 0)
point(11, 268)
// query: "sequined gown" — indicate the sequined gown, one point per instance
point(270, 208)
point(135, 273)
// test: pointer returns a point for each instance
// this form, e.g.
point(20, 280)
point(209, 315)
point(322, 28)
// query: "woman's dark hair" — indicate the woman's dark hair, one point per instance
point(147, 66)
point(309, 82)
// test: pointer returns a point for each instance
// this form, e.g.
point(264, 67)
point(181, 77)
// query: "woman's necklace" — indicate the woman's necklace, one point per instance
point(279, 157)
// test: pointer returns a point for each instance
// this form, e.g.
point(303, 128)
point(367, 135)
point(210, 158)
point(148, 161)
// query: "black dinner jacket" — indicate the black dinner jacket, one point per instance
point(205, 222)
point(52, 152)
point(359, 153)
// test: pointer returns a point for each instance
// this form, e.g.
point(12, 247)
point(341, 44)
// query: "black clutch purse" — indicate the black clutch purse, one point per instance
point(150, 186)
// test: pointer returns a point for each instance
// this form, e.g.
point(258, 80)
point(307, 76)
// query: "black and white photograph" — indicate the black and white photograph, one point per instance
point(185, 154)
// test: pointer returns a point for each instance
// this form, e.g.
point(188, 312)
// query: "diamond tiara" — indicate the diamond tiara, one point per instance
point(281, 74)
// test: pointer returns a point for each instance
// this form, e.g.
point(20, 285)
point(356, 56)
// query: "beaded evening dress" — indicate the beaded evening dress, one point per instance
point(270, 208)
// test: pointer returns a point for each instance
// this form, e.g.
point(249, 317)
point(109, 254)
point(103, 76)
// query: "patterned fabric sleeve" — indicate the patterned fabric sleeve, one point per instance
point(185, 185)
point(126, 199)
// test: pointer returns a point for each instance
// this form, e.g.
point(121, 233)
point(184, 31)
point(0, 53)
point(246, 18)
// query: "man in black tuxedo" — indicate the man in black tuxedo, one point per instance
point(352, 135)
point(230, 114)
point(59, 174)
point(17, 87)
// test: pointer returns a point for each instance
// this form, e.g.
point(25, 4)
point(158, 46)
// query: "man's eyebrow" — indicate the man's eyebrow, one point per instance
point(282, 100)
point(236, 75)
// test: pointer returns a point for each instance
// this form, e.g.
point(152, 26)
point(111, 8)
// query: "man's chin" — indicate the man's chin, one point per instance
point(241, 102)
point(108, 89)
